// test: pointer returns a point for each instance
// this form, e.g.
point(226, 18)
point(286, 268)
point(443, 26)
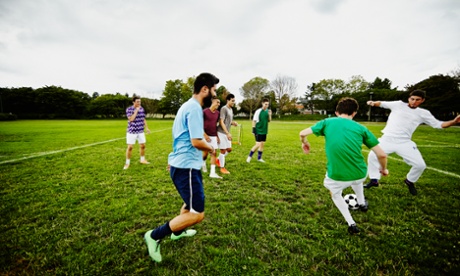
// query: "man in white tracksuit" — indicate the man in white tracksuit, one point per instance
point(397, 134)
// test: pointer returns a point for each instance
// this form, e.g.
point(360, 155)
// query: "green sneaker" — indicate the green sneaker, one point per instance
point(186, 233)
point(153, 246)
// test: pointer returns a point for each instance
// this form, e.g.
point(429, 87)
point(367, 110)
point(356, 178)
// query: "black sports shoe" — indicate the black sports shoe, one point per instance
point(353, 229)
point(372, 183)
point(364, 207)
point(411, 187)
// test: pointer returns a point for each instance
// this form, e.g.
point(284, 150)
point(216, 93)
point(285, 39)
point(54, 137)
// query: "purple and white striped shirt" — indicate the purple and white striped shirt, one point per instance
point(136, 126)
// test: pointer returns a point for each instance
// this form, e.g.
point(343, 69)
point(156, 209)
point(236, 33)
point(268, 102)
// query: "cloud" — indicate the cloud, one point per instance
point(136, 46)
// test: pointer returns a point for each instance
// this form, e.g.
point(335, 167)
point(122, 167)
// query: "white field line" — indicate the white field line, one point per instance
point(428, 167)
point(33, 155)
point(438, 146)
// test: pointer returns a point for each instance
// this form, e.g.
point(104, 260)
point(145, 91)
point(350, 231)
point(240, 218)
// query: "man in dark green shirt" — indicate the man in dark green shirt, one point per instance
point(260, 121)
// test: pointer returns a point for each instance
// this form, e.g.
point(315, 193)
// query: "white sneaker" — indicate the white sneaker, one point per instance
point(204, 168)
point(261, 160)
point(248, 159)
point(215, 175)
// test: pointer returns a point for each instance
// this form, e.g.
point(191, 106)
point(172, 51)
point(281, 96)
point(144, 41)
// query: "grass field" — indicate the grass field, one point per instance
point(67, 207)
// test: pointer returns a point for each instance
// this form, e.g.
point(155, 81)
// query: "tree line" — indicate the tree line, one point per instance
point(49, 102)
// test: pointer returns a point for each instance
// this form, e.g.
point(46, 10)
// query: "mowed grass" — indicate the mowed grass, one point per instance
point(77, 212)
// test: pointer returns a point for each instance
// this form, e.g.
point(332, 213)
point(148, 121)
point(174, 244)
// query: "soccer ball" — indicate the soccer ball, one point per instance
point(352, 201)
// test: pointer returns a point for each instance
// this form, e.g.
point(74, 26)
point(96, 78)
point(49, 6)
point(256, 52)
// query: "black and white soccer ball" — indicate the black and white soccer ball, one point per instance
point(352, 201)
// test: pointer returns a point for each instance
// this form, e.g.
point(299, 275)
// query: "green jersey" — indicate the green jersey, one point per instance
point(344, 137)
point(261, 117)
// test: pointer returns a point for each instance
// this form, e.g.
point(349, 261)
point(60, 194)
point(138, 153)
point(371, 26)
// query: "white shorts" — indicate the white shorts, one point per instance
point(213, 142)
point(338, 186)
point(132, 138)
point(224, 142)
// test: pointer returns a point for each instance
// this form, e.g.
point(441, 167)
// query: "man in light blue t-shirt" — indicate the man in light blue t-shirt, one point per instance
point(185, 165)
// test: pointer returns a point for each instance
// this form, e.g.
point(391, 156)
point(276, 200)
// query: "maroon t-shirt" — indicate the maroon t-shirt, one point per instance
point(210, 121)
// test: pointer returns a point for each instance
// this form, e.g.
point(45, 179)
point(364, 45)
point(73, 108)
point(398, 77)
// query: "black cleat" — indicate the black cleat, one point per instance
point(411, 187)
point(364, 207)
point(372, 183)
point(353, 229)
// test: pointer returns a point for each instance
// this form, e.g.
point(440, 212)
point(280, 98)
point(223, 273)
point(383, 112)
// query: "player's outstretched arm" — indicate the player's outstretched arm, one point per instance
point(382, 157)
point(451, 122)
point(372, 103)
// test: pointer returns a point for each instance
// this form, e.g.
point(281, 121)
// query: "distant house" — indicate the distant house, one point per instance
point(301, 108)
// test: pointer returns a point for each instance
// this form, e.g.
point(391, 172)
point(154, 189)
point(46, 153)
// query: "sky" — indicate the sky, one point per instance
point(110, 46)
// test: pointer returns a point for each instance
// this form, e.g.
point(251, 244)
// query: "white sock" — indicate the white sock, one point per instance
point(222, 160)
point(343, 207)
point(142, 158)
point(128, 161)
point(213, 169)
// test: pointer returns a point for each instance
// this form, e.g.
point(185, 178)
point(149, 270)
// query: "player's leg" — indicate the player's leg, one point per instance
point(205, 157)
point(213, 173)
point(336, 188)
point(253, 149)
point(358, 189)
point(189, 184)
point(141, 139)
point(225, 146)
point(412, 156)
point(261, 138)
point(130, 140)
point(373, 165)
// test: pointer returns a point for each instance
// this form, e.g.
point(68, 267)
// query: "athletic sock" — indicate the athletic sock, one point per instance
point(213, 169)
point(343, 208)
point(128, 161)
point(259, 155)
point(161, 232)
point(142, 158)
point(251, 153)
point(222, 160)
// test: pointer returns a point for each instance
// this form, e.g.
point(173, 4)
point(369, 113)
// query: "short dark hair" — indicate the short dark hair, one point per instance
point(230, 96)
point(419, 93)
point(347, 106)
point(204, 79)
point(135, 97)
point(265, 100)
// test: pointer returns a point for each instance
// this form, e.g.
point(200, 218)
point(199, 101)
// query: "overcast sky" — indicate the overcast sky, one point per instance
point(110, 46)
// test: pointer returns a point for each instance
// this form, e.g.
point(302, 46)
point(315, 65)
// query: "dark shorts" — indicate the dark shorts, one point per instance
point(261, 137)
point(189, 184)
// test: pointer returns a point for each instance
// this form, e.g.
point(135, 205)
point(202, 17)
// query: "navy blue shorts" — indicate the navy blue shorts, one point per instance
point(189, 184)
point(261, 137)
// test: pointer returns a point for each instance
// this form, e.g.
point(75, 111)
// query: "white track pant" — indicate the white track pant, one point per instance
point(336, 188)
point(405, 148)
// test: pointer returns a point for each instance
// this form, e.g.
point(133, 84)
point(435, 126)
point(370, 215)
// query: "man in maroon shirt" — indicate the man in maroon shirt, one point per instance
point(211, 118)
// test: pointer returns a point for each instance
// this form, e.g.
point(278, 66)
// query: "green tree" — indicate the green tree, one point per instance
point(322, 96)
point(151, 106)
point(307, 101)
point(355, 85)
point(378, 83)
point(253, 91)
point(110, 106)
point(173, 97)
point(442, 95)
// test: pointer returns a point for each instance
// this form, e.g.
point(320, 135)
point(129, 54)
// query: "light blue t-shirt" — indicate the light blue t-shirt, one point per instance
point(188, 125)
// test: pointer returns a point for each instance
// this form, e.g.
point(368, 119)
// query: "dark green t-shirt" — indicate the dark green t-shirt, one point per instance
point(262, 118)
point(344, 138)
